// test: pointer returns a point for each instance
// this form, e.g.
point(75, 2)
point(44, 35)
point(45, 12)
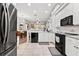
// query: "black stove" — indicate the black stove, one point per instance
point(60, 43)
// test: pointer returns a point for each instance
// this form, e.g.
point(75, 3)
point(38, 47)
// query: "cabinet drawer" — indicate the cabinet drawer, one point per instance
point(71, 47)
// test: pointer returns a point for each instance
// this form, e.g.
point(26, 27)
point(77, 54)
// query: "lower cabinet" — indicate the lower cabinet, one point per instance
point(46, 37)
point(77, 47)
point(72, 47)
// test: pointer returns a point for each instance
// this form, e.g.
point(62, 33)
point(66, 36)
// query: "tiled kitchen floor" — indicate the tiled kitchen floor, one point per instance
point(34, 49)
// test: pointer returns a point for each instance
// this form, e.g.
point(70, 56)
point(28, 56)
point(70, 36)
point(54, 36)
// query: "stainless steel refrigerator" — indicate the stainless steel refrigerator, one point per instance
point(8, 27)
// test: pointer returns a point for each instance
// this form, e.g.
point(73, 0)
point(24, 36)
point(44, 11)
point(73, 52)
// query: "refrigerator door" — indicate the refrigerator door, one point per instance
point(7, 34)
point(1, 39)
point(3, 27)
point(12, 22)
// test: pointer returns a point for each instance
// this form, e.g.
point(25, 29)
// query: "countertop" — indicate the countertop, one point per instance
point(37, 31)
point(71, 35)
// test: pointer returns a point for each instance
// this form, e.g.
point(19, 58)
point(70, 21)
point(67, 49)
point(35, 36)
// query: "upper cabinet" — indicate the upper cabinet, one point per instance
point(76, 13)
point(63, 14)
point(66, 10)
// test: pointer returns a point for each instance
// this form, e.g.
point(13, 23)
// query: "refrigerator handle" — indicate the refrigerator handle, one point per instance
point(6, 28)
point(2, 25)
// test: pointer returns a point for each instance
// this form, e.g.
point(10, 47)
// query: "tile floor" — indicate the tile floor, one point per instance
point(34, 49)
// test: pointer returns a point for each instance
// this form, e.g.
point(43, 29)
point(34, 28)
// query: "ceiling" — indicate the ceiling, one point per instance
point(35, 11)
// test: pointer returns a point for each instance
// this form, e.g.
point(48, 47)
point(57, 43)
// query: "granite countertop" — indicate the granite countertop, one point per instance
point(72, 35)
point(38, 31)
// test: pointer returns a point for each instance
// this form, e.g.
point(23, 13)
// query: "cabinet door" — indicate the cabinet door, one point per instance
point(41, 37)
point(44, 37)
point(76, 14)
point(68, 10)
point(70, 47)
point(77, 47)
point(51, 37)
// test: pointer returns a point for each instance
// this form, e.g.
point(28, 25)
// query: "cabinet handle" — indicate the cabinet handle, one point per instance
point(76, 47)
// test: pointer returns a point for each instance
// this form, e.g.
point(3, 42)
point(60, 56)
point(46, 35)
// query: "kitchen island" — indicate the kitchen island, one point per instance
point(43, 36)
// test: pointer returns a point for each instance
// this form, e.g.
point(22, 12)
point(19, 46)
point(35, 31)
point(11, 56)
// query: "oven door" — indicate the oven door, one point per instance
point(58, 42)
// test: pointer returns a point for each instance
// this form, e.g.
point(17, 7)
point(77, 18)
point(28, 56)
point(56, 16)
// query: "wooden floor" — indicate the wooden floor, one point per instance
point(34, 49)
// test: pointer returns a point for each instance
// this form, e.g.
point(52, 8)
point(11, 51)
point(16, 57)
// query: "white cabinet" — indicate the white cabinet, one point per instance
point(64, 12)
point(43, 37)
point(51, 37)
point(76, 13)
point(68, 10)
point(72, 46)
point(77, 47)
point(46, 37)
point(68, 47)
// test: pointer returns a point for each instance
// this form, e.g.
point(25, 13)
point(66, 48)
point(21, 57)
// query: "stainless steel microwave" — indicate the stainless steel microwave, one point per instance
point(67, 21)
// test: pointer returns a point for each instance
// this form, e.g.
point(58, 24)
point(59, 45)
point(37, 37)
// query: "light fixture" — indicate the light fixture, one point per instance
point(29, 4)
point(49, 4)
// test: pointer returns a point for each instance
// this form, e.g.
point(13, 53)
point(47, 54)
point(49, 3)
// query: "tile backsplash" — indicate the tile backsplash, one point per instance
point(73, 29)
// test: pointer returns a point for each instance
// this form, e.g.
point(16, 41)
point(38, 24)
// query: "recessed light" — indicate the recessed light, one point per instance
point(29, 4)
point(49, 4)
